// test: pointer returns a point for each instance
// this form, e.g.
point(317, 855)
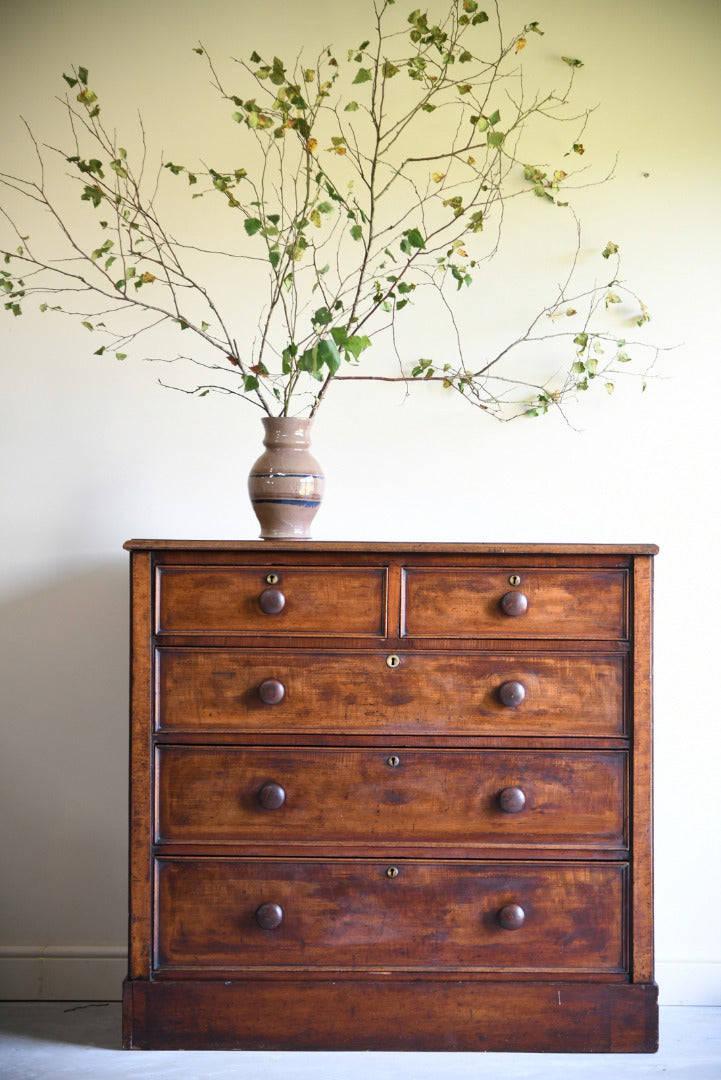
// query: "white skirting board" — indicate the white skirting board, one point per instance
point(62, 972)
point(96, 973)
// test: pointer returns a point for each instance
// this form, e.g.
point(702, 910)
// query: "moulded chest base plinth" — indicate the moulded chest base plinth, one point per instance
point(431, 1014)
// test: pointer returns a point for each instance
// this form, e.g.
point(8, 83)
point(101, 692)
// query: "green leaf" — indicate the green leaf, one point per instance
point(70, 81)
point(581, 339)
point(252, 226)
point(610, 249)
point(289, 356)
point(250, 383)
point(93, 195)
point(357, 232)
point(352, 106)
point(254, 58)
point(328, 354)
point(310, 361)
point(322, 317)
point(363, 75)
point(121, 356)
point(494, 118)
point(277, 75)
point(415, 238)
point(83, 75)
point(572, 62)
point(496, 138)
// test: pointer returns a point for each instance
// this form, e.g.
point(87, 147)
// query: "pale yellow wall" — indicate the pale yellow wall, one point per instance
point(94, 452)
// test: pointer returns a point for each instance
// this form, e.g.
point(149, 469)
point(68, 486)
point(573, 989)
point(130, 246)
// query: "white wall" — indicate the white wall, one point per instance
point(94, 452)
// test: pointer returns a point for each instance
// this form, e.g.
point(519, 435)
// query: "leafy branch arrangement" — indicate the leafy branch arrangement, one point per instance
point(361, 182)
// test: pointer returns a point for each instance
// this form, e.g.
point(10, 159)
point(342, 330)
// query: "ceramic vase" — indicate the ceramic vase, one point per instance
point(286, 483)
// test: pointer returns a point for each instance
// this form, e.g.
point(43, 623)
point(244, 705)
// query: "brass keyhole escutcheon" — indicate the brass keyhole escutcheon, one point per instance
point(514, 579)
point(393, 661)
point(392, 872)
point(394, 761)
point(271, 579)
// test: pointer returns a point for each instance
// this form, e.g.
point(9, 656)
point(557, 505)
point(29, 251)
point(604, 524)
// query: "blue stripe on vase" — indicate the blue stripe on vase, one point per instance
point(288, 502)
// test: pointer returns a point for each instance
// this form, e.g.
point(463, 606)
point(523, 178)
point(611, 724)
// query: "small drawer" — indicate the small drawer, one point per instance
point(533, 603)
point(371, 693)
point(240, 915)
point(256, 600)
point(364, 798)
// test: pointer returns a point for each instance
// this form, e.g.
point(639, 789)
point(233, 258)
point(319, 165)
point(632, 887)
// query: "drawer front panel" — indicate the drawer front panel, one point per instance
point(360, 797)
point(359, 693)
point(580, 604)
point(221, 599)
point(353, 915)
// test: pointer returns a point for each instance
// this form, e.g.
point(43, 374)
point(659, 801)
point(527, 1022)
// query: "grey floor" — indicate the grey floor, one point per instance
point(75, 1041)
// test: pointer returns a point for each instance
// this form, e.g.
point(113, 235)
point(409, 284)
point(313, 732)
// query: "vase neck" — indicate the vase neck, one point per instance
point(287, 431)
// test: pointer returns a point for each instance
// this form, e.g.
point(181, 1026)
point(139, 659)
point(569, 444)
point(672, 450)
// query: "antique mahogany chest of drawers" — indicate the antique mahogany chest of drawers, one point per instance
point(390, 796)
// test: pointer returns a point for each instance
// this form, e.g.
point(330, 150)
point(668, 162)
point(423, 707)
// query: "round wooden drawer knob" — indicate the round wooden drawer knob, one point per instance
point(511, 800)
point(271, 691)
point(271, 796)
point(269, 916)
point(514, 603)
point(272, 601)
point(511, 693)
point(512, 917)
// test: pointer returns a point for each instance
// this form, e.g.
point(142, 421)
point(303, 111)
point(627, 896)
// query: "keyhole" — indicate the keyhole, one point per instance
point(271, 579)
point(392, 871)
point(394, 761)
point(514, 579)
point(393, 661)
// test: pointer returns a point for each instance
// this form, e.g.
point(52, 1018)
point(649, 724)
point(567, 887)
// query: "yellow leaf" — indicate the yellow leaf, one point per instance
point(610, 387)
point(308, 75)
point(520, 44)
point(438, 176)
point(471, 161)
point(337, 149)
point(311, 145)
point(462, 252)
point(560, 174)
point(147, 277)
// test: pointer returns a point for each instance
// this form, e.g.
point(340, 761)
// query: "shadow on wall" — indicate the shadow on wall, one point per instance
point(63, 776)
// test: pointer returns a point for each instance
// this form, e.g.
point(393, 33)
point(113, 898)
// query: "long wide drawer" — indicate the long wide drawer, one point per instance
point(370, 693)
point(249, 600)
point(531, 603)
point(342, 914)
point(362, 797)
